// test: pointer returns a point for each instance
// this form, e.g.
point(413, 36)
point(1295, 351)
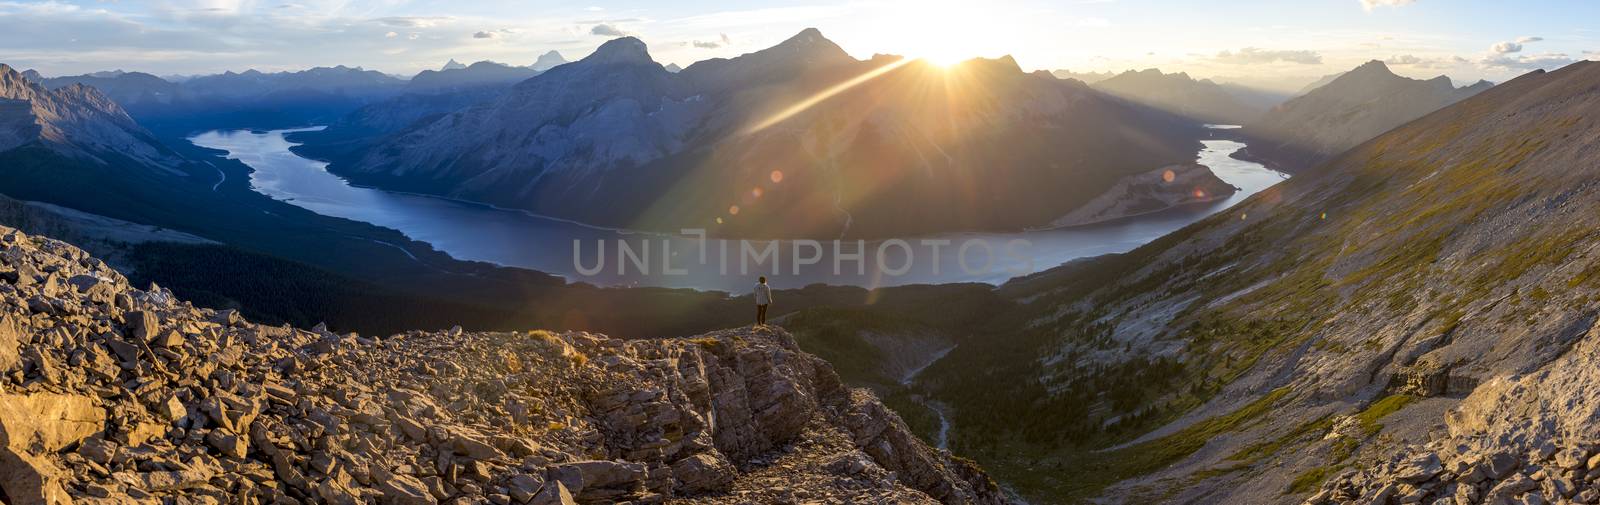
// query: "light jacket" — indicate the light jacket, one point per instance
point(763, 294)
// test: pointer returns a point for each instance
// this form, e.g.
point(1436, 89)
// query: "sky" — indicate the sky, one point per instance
point(1269, 43)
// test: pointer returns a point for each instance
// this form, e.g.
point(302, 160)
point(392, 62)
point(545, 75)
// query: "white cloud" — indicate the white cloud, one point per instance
point(606, 30)
point(1525, 40)
point(484, 35)
point(1506, 48)
point(413, 21)
point(1369, 5)
point(1547, 61)
point(1422, 62)
point(721, 41)
point(1254, 56)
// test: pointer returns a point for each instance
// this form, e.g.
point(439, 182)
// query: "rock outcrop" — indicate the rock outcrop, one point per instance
point(1532, 438)
point(110, 394)
point(1153, 191)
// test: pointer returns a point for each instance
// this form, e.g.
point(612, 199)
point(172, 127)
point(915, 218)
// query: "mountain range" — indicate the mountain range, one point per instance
point(617, 140)
point(1199, 99)
point(1351, 108)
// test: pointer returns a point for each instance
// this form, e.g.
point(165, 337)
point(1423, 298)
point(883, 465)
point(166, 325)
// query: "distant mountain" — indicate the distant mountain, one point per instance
point(237, 100)
point(1201, 100)
point(483, 73)
point(1086, 77)
point(33, 76)
point(1254, 97)
point(1323, 81)
point(340, 80)
point(130, 89)
point(1352, 108)
point(548, 61)
point(452, 65)
point(76, 121)
point(615, 139)
point(674, 68)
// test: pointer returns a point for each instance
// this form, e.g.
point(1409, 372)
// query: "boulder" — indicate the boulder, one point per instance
point(704, 472)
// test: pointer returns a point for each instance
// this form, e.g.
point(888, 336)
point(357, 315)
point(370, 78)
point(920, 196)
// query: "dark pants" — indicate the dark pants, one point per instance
point(761, 314)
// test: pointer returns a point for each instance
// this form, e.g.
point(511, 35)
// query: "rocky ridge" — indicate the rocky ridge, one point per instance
point(78, 120)
point(110, 394)
point(1530, 438)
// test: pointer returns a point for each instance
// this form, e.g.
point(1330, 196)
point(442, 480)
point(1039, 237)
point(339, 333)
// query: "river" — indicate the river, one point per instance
point(515, 238)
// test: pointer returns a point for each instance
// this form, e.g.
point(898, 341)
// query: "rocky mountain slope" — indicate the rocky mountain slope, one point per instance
point(1350, 109)
point(1319, 327)
point(1200, 99)
point(118, 395)
point(615, 139)
point(75, 120)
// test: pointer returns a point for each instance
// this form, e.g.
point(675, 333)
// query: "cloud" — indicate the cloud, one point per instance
point(1369, 5)
point(1506, 48)
point(1547, 61)
point(412, 21)
point(1509, 47)
point(484, 35)
point(606, 30)
point(723, 40)
point(1254, 56)
point(1409, 60)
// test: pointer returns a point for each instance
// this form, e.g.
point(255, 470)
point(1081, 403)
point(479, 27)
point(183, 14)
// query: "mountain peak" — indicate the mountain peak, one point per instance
point(621, 50)
point(452, 65)
point(547, 61)
point(1373, 67)
point(11, 82)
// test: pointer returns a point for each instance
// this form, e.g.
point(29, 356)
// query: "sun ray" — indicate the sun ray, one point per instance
point(825, 94)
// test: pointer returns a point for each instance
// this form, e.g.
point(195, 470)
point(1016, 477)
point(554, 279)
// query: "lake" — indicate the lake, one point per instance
point(612, 257)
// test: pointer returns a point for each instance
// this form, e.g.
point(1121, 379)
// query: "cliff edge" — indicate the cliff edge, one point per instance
point(110, 394)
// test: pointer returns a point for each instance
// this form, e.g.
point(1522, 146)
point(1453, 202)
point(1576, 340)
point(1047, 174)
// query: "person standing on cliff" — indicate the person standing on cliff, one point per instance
point(763, 298)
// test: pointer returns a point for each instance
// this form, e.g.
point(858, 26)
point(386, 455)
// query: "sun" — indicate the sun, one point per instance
point(941, 33)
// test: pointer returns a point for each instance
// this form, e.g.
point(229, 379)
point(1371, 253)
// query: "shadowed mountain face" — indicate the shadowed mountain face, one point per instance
point(233, 100)
point(1179, 94)
point(1350, 109)
point(1313, 328)
point(804, 140)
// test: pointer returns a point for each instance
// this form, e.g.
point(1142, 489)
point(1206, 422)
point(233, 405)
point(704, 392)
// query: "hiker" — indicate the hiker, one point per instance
point(763, 298)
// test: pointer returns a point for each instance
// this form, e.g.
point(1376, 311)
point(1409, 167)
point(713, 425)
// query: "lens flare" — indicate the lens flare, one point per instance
point(733, 210)
point(824, 95)
point(776, 176)
point(1168, 176)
